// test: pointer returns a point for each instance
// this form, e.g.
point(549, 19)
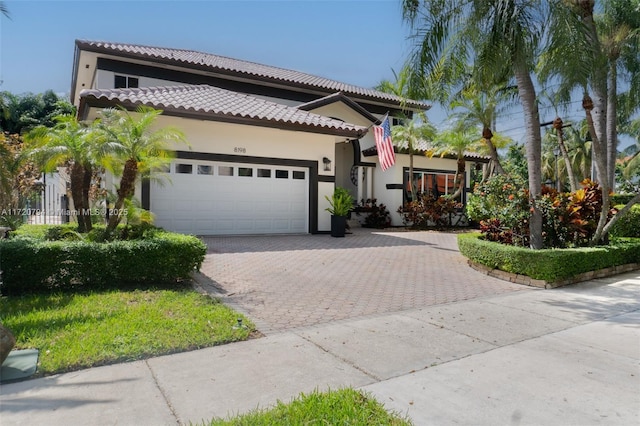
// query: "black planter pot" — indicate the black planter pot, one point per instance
point(338, 225)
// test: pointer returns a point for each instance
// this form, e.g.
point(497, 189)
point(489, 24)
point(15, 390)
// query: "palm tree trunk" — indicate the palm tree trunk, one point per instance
point(460, 174)
point(126, 190)
point(612, 132)
point(487, 134)
point(527, 93)
point(77, 179)
point(86, 186)
point(601, 169)
point(557, 124)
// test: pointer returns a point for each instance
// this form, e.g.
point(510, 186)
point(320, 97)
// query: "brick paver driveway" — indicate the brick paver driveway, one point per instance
point(285, 282)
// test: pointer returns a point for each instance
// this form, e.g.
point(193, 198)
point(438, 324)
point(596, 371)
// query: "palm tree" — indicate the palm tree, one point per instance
point(132, 139)
point(482, 106)
point(501, 35)
point(70, 143)
point(457, 142)
point(410, 137)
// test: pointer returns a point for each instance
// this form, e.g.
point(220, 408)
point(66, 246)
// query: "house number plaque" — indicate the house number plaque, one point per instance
point(240, 150)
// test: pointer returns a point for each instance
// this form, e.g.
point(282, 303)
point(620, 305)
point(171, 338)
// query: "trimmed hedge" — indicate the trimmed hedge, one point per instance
point(32, 265)
point(548, 264)
point(621, 199)
point(629, 225)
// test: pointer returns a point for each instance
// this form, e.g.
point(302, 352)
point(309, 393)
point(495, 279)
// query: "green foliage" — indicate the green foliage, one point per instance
point(548, 264)
point(74, 331)
point(338, 407)
point(617, 199)
point(429, 211)
point(341, 202)
point(34, 265)
point(502, 204)
point(377, 215)
point(19, 113)
point(628, 225)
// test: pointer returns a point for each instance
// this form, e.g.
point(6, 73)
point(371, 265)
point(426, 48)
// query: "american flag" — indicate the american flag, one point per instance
point(384, 145)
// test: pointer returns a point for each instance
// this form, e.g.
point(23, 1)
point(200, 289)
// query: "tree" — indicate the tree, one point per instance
point(499, 36)
point(74, 144)
point(410, 137)
point(456, 142)
point(132, 140)
point(21, 113)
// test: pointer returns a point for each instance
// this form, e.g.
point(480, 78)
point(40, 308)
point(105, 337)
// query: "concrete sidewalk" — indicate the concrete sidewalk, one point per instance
point(564, 356)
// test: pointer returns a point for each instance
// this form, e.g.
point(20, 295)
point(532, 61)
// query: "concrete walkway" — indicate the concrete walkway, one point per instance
point(568, 356)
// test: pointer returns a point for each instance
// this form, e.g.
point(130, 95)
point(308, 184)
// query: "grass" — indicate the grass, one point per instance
point(75, 331)
point(339, 407)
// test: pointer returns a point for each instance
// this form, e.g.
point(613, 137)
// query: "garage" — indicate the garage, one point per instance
point(222, 198)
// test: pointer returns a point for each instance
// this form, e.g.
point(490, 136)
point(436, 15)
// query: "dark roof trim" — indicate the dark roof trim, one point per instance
point(468, 156)
point(339, 97)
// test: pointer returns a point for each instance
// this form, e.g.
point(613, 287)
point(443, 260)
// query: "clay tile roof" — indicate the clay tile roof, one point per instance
point(225, 65)
point(223, 105)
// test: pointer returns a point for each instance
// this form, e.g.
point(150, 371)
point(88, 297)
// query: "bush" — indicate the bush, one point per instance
point(377, 215)
point(68, 231)
point(429, 211)
point(623, 199)
point(629, 225)
point(548, 264)
point(33, 265)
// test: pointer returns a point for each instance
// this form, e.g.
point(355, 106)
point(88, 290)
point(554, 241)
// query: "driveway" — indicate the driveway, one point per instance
point(291, 281)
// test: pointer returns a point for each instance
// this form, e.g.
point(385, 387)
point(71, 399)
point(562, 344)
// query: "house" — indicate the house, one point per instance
point(266, 144)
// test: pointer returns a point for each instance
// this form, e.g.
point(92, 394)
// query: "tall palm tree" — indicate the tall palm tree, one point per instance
point(71, 143)
point(501, 36)
point(137, 148)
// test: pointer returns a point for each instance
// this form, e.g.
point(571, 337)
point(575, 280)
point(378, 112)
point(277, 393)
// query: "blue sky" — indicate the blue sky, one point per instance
point(353, 41)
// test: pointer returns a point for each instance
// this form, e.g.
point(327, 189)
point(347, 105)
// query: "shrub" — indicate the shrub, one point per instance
point(34, 265)
point(621, 199)
point(548, 264)
point(628, 225)
point(377, 215)
point(429, 211)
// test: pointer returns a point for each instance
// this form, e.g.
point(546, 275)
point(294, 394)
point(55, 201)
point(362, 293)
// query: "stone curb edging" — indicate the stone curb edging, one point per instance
point(526, 280)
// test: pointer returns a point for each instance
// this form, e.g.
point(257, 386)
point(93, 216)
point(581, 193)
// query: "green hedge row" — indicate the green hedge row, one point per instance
point(32, 265)
point(629, 225)
point(621, 199)
point(548, 264)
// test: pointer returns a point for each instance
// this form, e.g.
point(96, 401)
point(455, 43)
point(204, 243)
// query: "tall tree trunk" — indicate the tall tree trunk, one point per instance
point(126, 190)
point(487, 134)
point(414, 195)
point(527, 93)
point(601, 169)
point(612, 131)
point(77, 179)
point(557, 124)
point(460, 175)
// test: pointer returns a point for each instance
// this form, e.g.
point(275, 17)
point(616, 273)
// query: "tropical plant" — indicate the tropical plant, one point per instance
point(429, 211)
point(502, 37)
point(132, 140)
point(413, 137)
point(340, 203)
point(377, 214)
point(76, 145)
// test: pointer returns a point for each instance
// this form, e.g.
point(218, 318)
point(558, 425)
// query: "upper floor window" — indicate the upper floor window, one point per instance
point(125, 82)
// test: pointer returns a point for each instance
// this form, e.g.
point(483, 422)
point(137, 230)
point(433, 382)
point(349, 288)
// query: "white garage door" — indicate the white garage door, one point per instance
point(216, 198)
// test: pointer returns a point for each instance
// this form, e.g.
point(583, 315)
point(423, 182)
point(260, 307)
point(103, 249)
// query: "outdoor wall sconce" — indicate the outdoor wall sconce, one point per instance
point(327, 164)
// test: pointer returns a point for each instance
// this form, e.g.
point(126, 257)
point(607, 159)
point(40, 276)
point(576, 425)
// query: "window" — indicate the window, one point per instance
point(225, 171)
point(205, 170)
point(264, 173)
point(282, 174)
point(298, 175)
point(124, 82)
point(245, 171)
point(436, 183)
point(186, 169)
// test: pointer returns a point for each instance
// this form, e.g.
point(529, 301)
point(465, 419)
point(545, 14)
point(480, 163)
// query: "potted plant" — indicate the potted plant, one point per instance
point(340, 204)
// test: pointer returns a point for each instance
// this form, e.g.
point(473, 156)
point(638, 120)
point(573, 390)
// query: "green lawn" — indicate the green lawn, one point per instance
point(74, 331)
point(341, 407)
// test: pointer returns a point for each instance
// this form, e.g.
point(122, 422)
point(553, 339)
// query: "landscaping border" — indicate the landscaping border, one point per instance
point(532, 282)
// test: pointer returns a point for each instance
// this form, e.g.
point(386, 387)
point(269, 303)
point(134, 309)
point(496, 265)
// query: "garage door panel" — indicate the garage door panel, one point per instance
point(210, 204)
